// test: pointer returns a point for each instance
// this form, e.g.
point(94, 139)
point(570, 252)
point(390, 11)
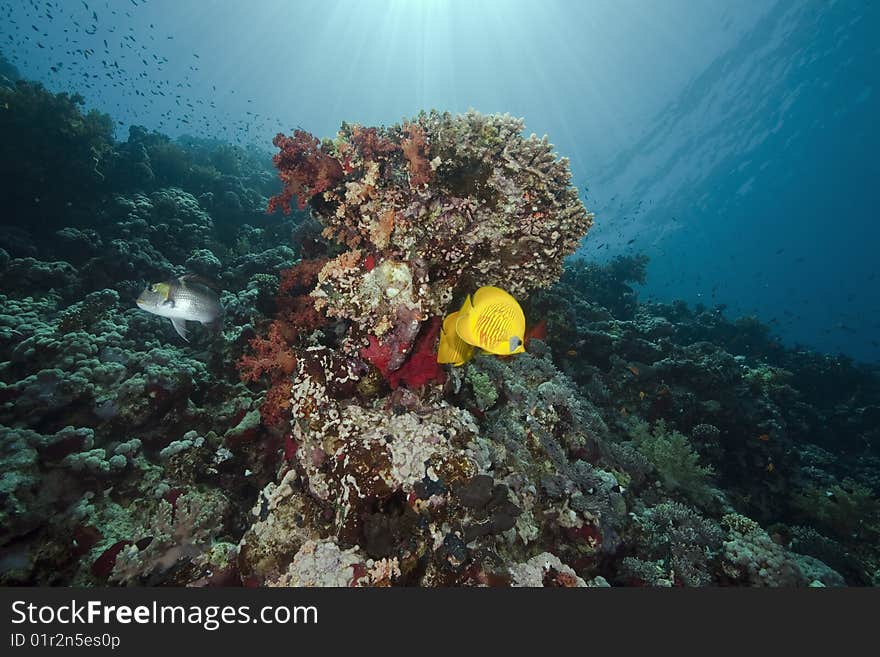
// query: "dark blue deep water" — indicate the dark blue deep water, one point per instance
point(705, 372)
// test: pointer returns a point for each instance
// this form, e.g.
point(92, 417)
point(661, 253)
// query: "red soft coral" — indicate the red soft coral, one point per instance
point(275, 409)
point(304, 168)
point(415, 150)
point(296, 309)
point(301, 278)
point(379, 354)
point(272, 356)
point(370, 143)
point(420, 368)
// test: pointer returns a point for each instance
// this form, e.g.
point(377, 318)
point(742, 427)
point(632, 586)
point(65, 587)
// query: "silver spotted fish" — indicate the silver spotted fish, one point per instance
point(181, 300)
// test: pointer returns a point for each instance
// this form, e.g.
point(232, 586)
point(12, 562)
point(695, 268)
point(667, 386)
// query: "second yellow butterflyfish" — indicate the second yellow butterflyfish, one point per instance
point(452, 348)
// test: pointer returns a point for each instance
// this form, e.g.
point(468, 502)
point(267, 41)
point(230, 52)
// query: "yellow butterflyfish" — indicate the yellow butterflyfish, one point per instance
point(493, 321)
point(452, 348)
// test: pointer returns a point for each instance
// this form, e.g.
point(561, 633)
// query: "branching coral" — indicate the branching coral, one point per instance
point(181, 529)
point(682, 540)
point(677, 463)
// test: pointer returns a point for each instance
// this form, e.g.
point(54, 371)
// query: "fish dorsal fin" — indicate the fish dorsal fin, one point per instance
point(491, 294)
point(452, 348)
point(448, 327)
point(179, 326)
point(195, 279)
point(466, 306)
point(464, 324)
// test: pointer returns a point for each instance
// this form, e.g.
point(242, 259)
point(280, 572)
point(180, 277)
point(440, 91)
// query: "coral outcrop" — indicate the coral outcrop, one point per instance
point(423, 210)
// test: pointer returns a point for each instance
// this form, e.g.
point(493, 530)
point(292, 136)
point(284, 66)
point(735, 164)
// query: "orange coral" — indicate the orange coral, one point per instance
point(415, 149)
point(275, 409)
point(300, 278)
point(380, 231)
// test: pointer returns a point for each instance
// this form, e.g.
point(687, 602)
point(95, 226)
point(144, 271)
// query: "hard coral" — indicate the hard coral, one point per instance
point(423, 211)
point(482, 202)
point(483, 206)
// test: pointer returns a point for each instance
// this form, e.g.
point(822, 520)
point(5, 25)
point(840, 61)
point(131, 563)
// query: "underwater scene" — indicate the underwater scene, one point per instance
point(296, 293)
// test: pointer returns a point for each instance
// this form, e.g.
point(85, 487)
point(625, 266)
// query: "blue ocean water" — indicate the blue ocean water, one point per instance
point(731, 142)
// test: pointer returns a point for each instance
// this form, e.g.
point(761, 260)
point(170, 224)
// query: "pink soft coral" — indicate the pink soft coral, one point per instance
point(370, 144)
point(273, 356)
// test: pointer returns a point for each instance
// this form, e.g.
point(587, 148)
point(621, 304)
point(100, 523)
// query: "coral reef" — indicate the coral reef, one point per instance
point(51, 154)
point(313, 439)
